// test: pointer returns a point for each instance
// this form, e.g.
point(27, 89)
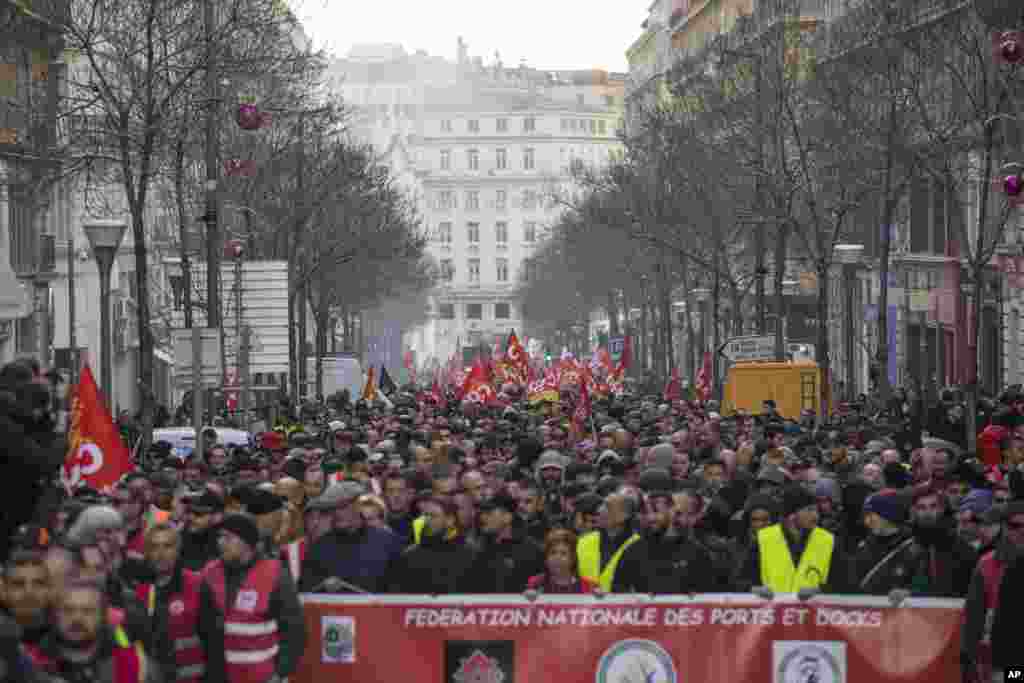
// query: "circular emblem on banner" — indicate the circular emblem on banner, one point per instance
point(636, 661)
point(177, 608)
point(809, 663)
point(89, 458)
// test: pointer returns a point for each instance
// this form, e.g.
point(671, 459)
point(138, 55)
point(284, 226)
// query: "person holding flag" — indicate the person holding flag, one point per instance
point(96, 456)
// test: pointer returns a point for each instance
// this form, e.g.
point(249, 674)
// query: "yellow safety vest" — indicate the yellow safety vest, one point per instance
point(588, 559)
point(777, 570)
point(417, 530)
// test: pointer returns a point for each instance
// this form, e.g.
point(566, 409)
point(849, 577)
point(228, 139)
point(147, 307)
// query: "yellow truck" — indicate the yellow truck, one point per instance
point(794, 386)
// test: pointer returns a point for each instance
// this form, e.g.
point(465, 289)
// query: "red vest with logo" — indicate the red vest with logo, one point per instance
point(250, 632)
point(293, 555)
point(182, 621)
point(992, 572)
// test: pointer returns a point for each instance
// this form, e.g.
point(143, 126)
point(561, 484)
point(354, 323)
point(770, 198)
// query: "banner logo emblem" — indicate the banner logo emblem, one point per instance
point(479, 661)
point(636, 661)
point(338, 640)
point(797, 661)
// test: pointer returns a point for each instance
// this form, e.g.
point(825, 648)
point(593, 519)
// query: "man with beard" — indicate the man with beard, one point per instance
point(250, 620)
point(987, 627)
point(172, 601)
point(941, 562)
point(507, 557)
point(881, 564)
point(204, 514)
point(351, 555)
point(440, 564)
point(85, 648)
point(665, 560)
point(27, 593)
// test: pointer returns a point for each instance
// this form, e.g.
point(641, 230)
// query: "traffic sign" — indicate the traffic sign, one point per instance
point(210, 345)
point(748, 349)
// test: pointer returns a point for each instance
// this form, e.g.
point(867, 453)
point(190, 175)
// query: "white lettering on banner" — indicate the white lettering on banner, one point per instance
point(650, 617)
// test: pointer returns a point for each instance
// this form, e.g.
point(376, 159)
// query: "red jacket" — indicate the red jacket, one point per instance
point(989, 444)
point(182, 624)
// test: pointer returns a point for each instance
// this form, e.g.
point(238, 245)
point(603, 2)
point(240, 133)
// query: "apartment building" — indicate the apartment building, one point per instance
point(483, 148)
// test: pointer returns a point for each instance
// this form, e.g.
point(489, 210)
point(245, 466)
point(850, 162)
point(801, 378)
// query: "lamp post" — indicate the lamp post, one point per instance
point(105, 238)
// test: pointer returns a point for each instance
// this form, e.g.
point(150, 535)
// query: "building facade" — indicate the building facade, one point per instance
point(486, 151)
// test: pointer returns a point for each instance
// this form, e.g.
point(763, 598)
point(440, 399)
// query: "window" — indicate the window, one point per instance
point(446, 199)
point(602, 127)
point(528, 158)
point(474, 311)
point(502, 125)
point(446, 311)
point(446, 125)
point(529, 124)
point(501, 159)
point(526, 273)
point(572, 125)
point(529, 199)
point(501, 269)
point(474, 270)
point(565, 125)
point(502, 311)
point(530, 232)
point(472, 200)
point(579, 99)
point(473, 159)
point(473, 232)
point(447, 270)
point(446, 160)
point(444, 233)
point(500, 199)
point(473, 125)
point(501, 232)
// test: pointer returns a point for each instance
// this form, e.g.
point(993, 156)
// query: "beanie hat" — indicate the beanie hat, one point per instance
point(826, 487)
point(888, 505)
point(244, 527)
point(796, 498)
point(759, 501)
point(977, 501)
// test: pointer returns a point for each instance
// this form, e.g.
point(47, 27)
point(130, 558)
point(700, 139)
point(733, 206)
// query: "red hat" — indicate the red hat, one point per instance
point(272, 441)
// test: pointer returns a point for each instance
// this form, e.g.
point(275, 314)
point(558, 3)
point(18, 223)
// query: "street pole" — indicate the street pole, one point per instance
point(72, 310)
point(106, 374)
point(212, 176)
point(759, 248)
point(197, 390)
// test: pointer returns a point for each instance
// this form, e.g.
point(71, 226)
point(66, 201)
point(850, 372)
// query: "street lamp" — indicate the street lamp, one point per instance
point(105, 238)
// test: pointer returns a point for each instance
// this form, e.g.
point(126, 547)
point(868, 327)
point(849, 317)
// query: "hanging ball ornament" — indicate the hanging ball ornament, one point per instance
point(1013, 185)
point(249, 116)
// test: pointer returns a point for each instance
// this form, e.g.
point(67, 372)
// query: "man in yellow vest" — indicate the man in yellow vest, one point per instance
point(795, 555)
point(598, 552)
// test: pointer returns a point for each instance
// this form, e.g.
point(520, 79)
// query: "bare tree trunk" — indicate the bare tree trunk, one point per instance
point(779, 274)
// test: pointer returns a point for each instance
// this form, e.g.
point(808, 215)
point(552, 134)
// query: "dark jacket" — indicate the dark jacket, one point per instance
point(436, 566)
point(1009, 619)
point(362, 559)
point(837, 580)
point(882, 564)
point(100, 669)
point(941, 562)
point(665, 565)
point(505, 566)
point(975, 611)
point(32, 454)
point(284, 608)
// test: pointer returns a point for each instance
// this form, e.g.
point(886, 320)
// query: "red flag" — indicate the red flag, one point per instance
point(410, 364)
point(704, 379)
point(583, 410)
point(674, 388)
point(516, 359)
point(97, 456)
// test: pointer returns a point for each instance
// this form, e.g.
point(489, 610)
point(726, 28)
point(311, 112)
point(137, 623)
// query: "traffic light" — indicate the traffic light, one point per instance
point(1008, 47)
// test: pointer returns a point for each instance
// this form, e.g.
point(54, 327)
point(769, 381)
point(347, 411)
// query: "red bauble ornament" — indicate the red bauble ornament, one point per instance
point(249, 117)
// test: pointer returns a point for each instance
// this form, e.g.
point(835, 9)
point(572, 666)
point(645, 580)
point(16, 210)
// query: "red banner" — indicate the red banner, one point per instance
point(96, 455)
point(627, 639)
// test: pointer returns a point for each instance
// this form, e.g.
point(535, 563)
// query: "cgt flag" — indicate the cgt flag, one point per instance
point(370, 388)
point(97, 457)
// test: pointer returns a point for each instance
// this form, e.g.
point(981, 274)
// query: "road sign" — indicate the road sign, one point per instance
point(747, 349)
point(213, 373)
point(616, 345)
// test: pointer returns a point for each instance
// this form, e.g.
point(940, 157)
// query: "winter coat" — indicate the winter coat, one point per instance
point(436, 566)
point(505, 566)
point(363, 559)
point(665, 565)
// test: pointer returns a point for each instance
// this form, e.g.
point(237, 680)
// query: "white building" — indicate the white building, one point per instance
point(483, 149)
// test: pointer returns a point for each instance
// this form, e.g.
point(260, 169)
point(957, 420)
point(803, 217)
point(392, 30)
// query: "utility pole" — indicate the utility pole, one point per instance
point(300, 351)
point(760, 272)
point(72, 335)
point(212, 175)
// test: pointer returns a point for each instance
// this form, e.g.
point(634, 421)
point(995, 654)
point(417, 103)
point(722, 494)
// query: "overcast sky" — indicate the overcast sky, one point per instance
point(548, 34)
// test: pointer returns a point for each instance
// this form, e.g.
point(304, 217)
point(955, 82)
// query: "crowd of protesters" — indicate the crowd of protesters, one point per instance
point(190, 568)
